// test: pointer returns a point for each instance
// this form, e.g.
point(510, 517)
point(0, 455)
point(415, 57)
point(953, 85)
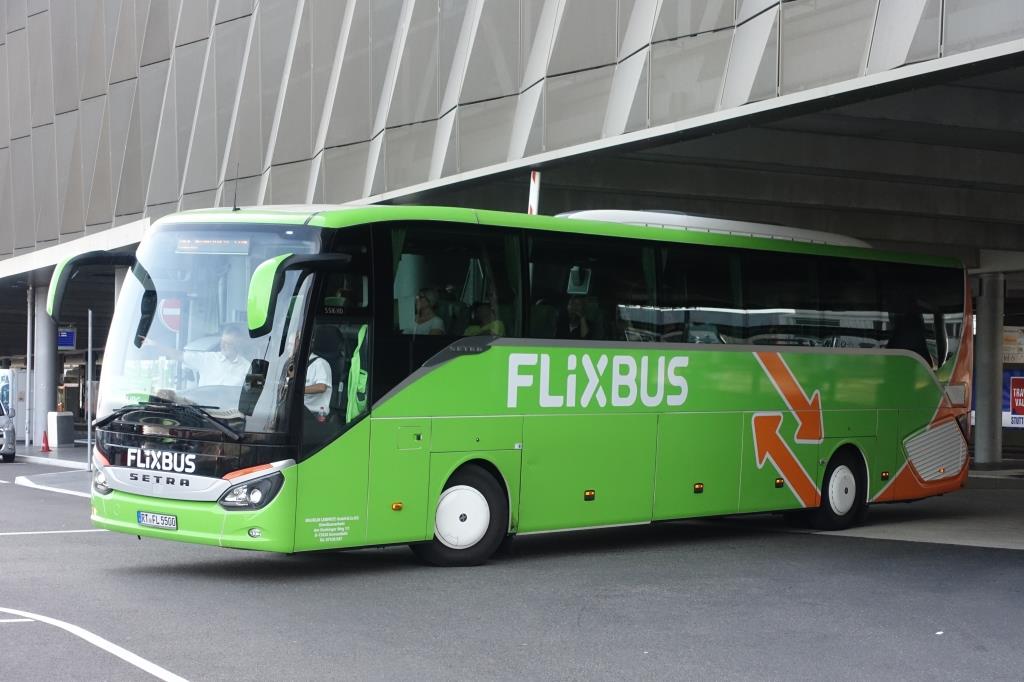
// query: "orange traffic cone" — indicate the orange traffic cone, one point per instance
point(46, 444)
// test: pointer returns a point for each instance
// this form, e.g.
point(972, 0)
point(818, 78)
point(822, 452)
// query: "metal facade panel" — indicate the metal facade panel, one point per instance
point(92, 60)
point(824, 41)
point(483, 132)
point(295, 127)
point(188, 73)
point(40, 57)
point(5, 106)
point(575, 106)
point(679, 18)
point(232, 9)
point(100, 204)
point(17, 13)
point(21, 194)
point(344, 170)
point(193, 22)
point(131, 186)
point(69, 173)
point(246, 155)
point(351, 111)
point(152, 85)
point(275, 30)
point(493, 66)
point(123, 56)
point(6, 214)
point(408, 152)
point(65, 55)
point(158, 33)
point(44, 184)
point(753, 63)
point(288, 182)
point(686, 75)
point(975, 23)
point(587, 36)
point(414, 95)
point(19, 97)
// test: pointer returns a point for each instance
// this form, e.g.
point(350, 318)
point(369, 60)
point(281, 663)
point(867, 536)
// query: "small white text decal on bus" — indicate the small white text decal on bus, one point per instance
point(617, 380)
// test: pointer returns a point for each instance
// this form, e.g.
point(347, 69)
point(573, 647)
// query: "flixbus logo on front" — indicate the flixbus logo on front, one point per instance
point(584, 379)
point(162, 460)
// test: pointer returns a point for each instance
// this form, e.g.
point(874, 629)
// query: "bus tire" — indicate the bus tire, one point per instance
point(843, 490)
point(470, 520)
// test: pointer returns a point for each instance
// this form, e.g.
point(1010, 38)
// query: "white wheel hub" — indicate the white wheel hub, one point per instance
point(842, 490)
point(462, 517)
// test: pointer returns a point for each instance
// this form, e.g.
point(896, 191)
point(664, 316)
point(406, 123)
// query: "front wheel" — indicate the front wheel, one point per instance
point(843, 490)
point(470, 521)
point(9, 458)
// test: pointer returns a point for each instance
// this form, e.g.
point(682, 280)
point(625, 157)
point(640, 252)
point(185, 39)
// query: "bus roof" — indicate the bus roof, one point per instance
point(334, 216)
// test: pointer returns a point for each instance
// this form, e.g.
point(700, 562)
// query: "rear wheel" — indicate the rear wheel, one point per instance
point(470, 521)
point(843, 490)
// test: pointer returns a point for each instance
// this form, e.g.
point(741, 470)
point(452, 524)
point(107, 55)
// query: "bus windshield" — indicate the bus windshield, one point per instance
point(179, 336)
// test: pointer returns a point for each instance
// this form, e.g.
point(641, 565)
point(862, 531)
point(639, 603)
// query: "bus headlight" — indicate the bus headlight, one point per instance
point(254, 494)
point(99, 482)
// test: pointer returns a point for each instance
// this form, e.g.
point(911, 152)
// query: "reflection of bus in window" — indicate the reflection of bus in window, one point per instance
point(294, 380)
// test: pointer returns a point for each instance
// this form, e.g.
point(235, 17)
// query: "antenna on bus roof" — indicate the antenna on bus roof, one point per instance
point(234, 202)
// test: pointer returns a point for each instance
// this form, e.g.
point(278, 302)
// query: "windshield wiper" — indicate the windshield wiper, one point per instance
point(164, 405)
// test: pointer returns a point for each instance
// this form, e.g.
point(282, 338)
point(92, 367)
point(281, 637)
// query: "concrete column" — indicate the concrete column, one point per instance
point(988, 371)
point(44, 371)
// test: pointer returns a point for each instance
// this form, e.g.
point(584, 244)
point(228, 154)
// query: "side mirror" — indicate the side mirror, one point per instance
point(69, 267)
point(268, 279)
point(255, 380)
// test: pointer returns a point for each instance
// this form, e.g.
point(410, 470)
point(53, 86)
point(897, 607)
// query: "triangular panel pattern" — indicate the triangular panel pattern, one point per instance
point(69, 173)
point(6, 216)
point(92, 60)
point(101, 203)
point(124, 59)
point(130, 197)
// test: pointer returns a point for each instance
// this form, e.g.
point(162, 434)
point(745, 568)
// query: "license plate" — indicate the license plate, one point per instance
point(165, 521)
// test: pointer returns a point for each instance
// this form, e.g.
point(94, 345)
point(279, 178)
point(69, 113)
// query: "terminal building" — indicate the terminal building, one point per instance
point(896, 122)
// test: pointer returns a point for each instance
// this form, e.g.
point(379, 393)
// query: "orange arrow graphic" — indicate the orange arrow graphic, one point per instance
point(768, 444)
point(807, 411)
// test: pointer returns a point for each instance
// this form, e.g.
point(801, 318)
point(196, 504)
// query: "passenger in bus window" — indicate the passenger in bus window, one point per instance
point(485, 321)
point(427, 320)
point(574, 324)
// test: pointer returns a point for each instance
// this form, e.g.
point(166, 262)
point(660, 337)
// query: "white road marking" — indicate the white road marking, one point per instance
point(53, 532)
point(3, 481)
point(16, 620)
point(24, 481)
point(97, 641)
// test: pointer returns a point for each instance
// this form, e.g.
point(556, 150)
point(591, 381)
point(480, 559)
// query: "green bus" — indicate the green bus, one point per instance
point(307, 378)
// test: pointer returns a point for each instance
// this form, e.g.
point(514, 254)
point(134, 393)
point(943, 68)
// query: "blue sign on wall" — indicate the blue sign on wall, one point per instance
point(66, 338)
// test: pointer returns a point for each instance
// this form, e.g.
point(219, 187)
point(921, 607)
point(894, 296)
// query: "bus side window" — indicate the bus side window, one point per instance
point(588, 287)
point(698, 296)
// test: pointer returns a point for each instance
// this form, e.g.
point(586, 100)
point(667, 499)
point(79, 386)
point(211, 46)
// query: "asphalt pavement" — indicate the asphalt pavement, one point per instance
point(740, 598)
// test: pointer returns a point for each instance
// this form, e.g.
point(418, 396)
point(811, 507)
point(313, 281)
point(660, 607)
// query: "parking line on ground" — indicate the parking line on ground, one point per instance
point(97, 641)
point(53, 532)
point(24, 481)
point(49, 461)
point(16, 620)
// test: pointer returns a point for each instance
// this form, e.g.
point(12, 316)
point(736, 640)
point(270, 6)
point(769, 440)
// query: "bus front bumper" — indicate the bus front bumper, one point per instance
point(270, 529)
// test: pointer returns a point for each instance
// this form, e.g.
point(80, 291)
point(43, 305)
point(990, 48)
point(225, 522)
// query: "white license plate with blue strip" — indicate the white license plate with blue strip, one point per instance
point(165, 521)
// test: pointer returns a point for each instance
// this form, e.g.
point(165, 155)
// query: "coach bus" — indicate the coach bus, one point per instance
point(307, 378)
